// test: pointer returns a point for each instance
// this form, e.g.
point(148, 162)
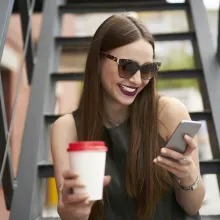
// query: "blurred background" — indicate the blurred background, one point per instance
point(176, 55)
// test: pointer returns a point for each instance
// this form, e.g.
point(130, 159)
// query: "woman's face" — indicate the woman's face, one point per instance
point(120, 90)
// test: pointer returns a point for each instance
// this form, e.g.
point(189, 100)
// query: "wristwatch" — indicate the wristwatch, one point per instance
point(192, 187)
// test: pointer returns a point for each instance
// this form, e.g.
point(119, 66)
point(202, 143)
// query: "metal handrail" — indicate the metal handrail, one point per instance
point(6, 173)
point(26, 11)
point(35, 142)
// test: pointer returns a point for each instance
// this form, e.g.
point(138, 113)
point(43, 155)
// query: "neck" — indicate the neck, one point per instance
point(115, 113)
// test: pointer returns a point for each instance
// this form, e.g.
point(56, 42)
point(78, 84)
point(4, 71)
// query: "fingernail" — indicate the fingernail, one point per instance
point(87, 202)
point(75, 174)
point(186, 136)
point(109, 178)
point(163, 150)
point(155, 160)
point(159, 158)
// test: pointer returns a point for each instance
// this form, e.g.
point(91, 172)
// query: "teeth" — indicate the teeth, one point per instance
point(128, 89)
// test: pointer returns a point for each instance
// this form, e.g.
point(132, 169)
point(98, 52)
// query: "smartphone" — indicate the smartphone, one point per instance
point(176, 141)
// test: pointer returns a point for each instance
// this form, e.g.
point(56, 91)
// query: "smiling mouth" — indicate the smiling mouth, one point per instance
point(128, 90)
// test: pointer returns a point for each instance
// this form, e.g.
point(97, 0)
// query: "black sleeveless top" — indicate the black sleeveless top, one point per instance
point(119, 206)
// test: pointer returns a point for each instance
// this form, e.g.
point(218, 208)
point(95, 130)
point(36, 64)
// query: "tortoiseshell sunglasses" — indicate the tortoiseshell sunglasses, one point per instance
point(127, 68)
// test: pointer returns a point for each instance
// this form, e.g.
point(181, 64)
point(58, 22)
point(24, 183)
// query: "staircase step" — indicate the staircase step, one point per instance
point(171, 74)
point(82, 43)
point(180, 74)
point(109, 6)
point(196, 116)
point(67, 76)
point(53, 218)
point(45, 169)
point(76, 43)
point(210, 217)
point(203, 217)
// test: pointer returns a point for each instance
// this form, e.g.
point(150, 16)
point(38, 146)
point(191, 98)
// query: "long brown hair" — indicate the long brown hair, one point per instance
point(144, 181)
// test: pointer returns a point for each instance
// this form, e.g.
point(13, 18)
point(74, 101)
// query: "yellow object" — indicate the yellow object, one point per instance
point(52, 197)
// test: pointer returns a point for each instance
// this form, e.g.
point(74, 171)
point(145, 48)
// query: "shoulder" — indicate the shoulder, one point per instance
point(64, 127)
point(171, 112)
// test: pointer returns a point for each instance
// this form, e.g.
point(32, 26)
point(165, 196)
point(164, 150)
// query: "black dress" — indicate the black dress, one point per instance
point(119, 206)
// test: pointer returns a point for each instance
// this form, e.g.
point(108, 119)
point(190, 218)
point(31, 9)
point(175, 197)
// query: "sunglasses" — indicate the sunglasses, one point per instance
point(127, 68)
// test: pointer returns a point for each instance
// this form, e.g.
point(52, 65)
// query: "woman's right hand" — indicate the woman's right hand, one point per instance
point(75, 206)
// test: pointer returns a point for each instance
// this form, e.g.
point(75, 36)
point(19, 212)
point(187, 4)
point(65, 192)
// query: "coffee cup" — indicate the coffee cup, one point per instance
point(88, 158)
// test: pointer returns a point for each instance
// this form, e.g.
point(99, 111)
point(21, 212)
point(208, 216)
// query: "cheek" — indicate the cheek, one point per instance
point(107, 79)
point(109, 74)
point(145, 83)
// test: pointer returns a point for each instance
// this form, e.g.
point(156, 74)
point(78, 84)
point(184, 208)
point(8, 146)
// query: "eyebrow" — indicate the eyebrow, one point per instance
point(130, 60)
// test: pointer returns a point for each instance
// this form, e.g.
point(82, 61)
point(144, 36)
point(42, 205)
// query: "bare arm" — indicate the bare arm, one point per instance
point(70, 206)
point(63, 132)
point(171, 115)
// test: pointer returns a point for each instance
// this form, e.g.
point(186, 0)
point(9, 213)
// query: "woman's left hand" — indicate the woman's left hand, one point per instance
point(181, 165)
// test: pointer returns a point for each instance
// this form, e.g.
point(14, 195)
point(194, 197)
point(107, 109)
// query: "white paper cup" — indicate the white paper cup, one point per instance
point(88, 159)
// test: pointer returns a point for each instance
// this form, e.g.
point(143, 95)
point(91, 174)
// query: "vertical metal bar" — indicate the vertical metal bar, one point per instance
point(5, 14)
point(198, 21)
point(218, 40)
point(24, 9)
point(7, 181)
point(41, 99)
point(211, 69)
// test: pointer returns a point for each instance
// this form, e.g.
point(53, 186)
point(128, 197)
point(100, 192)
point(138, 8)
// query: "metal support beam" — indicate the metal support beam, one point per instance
point(211, 68)
point(205, 57)
point(7, 181)
point(25, 15)
point(42, 98)
point(218, 40)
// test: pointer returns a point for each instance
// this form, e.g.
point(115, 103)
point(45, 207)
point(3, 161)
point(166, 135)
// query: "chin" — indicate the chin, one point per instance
point(125, 101)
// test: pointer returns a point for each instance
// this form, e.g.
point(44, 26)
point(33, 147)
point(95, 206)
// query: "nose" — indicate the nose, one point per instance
point(136, 78)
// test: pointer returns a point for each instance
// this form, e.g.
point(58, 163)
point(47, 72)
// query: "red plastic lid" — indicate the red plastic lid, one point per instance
point(87, 146)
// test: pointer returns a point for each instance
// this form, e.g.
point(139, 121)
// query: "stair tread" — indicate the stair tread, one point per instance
point(203, 217)
point(110, 6)
point(191, 73)
point(82, 43)
point(42, 164)
point(50, 218)
point(204, 115)
point(45, 169)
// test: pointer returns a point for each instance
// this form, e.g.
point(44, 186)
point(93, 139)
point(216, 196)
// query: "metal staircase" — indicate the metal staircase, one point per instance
point(28, 196)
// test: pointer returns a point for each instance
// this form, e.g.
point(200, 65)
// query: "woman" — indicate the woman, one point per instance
point(120, 105)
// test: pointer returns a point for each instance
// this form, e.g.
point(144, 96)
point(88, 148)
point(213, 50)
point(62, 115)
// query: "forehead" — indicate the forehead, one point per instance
point(140, 51)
